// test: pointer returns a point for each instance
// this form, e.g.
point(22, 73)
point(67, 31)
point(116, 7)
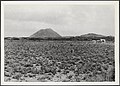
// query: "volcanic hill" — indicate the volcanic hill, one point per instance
point(92, 35)
point(46, 33)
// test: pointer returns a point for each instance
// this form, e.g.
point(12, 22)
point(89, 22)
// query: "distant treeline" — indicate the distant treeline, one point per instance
point(77, 38)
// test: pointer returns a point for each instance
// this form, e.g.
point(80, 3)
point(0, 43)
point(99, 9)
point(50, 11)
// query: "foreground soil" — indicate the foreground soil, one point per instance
point(58, 61)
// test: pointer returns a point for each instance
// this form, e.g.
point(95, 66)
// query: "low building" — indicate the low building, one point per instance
point(99, 41)
point(103, 40)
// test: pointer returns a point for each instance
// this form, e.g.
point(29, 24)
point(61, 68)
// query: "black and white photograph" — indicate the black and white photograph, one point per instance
point(55, 42)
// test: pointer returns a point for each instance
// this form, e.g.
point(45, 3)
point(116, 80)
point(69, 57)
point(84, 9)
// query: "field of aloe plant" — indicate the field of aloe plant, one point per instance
point(58, 61)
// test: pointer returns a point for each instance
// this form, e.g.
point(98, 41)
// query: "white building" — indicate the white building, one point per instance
point(99, 41)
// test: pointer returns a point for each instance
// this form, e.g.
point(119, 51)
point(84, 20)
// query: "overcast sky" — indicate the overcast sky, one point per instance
point(67, 20)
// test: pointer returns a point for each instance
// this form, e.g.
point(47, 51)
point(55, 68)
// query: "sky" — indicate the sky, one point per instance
point(66, 20)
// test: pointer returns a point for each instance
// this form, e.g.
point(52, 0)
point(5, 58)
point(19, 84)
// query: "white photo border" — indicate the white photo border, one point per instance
point(115, 3)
